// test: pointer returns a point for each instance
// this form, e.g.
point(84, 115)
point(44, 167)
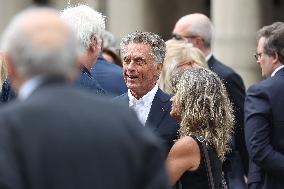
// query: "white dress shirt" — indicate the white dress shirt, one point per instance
point(143, 105)
point(208, 56)
point(29, 86)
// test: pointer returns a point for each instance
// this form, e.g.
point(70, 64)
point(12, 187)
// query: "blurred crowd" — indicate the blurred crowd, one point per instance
point(79, 109)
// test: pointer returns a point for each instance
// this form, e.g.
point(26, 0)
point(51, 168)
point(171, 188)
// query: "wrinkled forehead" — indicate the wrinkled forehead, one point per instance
point(137, 50)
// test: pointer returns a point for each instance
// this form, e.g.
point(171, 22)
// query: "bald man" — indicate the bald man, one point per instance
point(56, 136)
point(197, 29)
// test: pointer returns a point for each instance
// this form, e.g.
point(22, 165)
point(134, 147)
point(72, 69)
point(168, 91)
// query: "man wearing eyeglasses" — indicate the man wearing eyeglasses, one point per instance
point(198, 30)
point(266, 67)
point(264, 120)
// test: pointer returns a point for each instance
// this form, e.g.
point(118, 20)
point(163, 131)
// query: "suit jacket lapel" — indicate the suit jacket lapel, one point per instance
point(280, 72)
point(210, 62)
point(158, 109)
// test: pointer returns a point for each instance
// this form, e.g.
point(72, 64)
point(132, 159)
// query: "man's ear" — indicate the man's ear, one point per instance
point(102, 44)
point(13, 75)
point(275, 59)
point(94, 44)
point(199, 42)
point(160, 67)
point(159, 70)
point(10, 66)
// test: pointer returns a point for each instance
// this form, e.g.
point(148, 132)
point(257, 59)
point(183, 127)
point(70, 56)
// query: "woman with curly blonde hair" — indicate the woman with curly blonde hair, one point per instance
point(202, 107)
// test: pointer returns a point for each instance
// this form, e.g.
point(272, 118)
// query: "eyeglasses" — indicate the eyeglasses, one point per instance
point(257, 56)
point(180, 37)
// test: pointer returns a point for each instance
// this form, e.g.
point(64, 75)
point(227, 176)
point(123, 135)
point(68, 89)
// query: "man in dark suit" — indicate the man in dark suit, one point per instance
point(198, 30)
point(264, 120)
point(55, 136)
point(142, 55)
point(108, 74)
point(89, 26)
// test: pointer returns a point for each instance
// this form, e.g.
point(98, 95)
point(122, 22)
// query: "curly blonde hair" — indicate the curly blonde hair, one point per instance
point(204, 108)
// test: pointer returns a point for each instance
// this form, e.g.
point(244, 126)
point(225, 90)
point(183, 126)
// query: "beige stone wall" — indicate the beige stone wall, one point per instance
point(157, 16)
point(60, 4)
point(8, 8)
point(235, 30)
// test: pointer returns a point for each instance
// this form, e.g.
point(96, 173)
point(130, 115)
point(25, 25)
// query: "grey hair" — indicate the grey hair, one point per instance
point(31, 59)
point(86, 23)
point(203, 28)
point(274, 39)
point(157, 44)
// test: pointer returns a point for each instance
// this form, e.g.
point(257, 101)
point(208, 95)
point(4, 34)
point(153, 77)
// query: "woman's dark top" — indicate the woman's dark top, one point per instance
point(198, 179)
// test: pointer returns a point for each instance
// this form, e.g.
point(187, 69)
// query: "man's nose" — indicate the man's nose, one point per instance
point(131, 65)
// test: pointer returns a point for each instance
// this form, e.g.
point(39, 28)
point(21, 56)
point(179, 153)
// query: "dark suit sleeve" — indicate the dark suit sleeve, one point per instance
point(9, 167)
point(236, 91)
point(257, 130)
point(155, 173)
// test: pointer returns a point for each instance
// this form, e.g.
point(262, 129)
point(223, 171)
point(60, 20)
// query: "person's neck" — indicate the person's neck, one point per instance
point(277, 67)
point(137, 95)
point(206, 51)
point(29, 85)
point(140, 94)
point(87, 61)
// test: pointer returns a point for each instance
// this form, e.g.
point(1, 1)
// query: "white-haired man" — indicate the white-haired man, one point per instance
point(89, 27)
point(57, 136)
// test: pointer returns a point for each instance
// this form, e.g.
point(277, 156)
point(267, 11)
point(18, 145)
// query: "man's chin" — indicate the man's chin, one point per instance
point(132, 87)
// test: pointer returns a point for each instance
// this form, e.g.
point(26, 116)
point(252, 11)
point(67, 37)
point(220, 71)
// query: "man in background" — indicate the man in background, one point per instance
point(89, 26)
point(198, 30)
point(264, 120)
point(57, 136)
point(108, 74)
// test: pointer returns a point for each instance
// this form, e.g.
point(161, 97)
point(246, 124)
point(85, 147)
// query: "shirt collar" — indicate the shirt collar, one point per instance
point(84, 70)
point(276, 70)
point(29, 86)
point(146, 100)
point(209, 56)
